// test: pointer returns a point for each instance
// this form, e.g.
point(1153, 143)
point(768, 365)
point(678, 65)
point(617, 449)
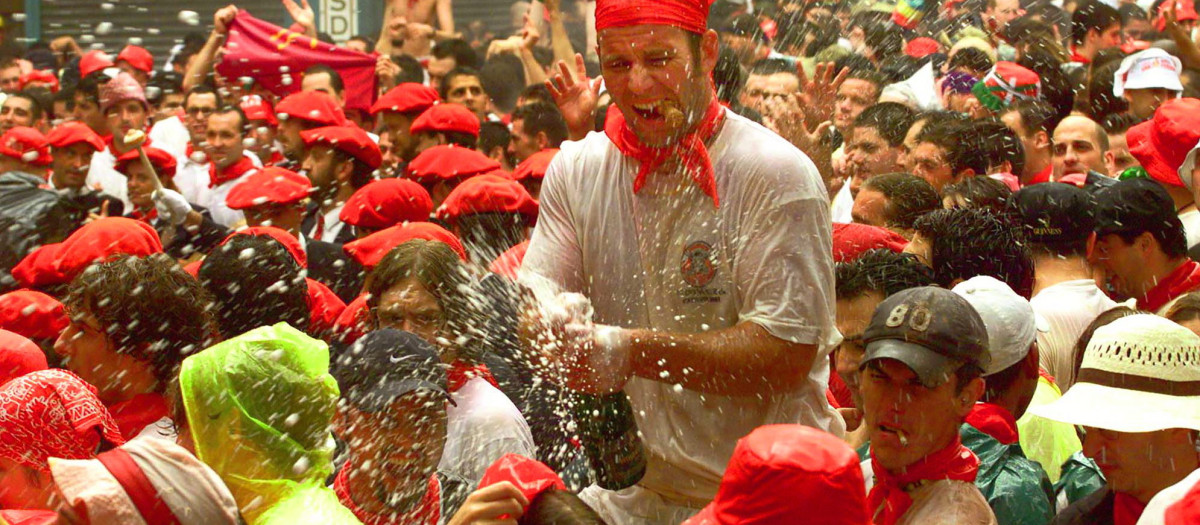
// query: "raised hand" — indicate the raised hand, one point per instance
point(302, 14)
point(489, 503)
point(819, 93)
point(223, 17)
point(576, 96)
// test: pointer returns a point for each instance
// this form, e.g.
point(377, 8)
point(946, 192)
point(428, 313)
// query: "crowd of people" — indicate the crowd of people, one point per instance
point(641, 262)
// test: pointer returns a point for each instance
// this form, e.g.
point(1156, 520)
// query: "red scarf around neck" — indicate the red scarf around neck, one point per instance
point(428, 511)
point(460, 372)
point(994, 421)
point(218, 177)
point(1180, 281)
point(690, 149)
point(138, 412)
point(147, 217)
point(888, 501)
point(1126, 509)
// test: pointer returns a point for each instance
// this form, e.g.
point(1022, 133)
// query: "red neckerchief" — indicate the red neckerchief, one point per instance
point(888, 501)
point(1042, 176)
point(690, 149)
point(1046, 375)
point(28, 517)
point(460, 372)
point(276, 158)
point(1182, 280)
point(235, 170)
point(138, 413)
point(1076, 57)
point(147, 217)
point(1126, 509)
point(994, 421)
point(428, 511)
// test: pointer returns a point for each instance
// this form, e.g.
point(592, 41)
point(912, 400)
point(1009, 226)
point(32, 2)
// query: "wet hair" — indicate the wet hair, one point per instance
point(970, 58)
point(1170, 236)
point(949, 136)
point(493, 135)
point(1105, 318)
point(1186, 308)
point(898, 68)
point(883, 39)
point(909, 197)
point(1131, 12)
point(35, 105)
point(997, 144)
point(537, 93)
point(967, 242)
point(1056, 87)
point(255, 282)
point(502, 77)
point(729, 75)
point(1101, 101)
point(335, 78)
point(771, 66)
point(444, 87)
point(458, 49)
point(202, 89)
point(148, 307)
point(870, 75)
point(362, 173)
point(488, 235)
point(542, 118)
point(880, 270)
point(891, 120)
point(554, 507)
point(410, 69)
point(1092, 15)
point(979, 192)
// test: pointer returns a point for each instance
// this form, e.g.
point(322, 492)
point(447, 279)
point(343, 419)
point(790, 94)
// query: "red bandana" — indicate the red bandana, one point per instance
point(1076, 57)
point(1042, 176)
point(1182, 280)
point(1126, 509)
point(889, 501)
point(138, 413)
point(52, 413)
point(147, 217)
point(994, 421)
point(428, 511)
point(460, 372)
point(690, 149)
point(237, 169)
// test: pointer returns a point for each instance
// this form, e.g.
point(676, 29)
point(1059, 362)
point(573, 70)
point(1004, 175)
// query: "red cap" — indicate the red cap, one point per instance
point(449, 162)
point(32, 314)
point(1162, 143)
point(19, 356)
point(93, 61)
point(387, 202)
point(164, 163)
point(853, 239)
point(1184, 10)
point(27, 145)
point(921, 47)
point(73, 132)
point(488, 194)
point(324, 307)
point(689, 15)
point(137, 57)
point(269, 186)
point(313, 106)
point(535, 166)
point(1187, 509)
point(289, 241)
point(256, 108)
point(95, 241)
point(446, 118)
point(39, 77)
point(369, 250)
point(509, 262)
point(354, 321)
point(349, 139)
point(531, 477)
point(409, 97)
point(781, 473)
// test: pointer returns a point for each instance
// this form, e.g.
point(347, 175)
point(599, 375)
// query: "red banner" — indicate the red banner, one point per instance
point(276, 58)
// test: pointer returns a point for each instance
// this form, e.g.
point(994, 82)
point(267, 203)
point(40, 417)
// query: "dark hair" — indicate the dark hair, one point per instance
point(202, 89)
point(89, 86)
point(436, 267)
point(67, 95)
point(980, 192)
point(898, 68)
point(1092, 15)
point(543, 118)
point(1105, 317)
point(35, 105)
point(771, 66)
point(458, 49)
point(502, 77)
point(970, 58)
point(335, 78)
point(361, 173)
point(909, 197)
point(410, 69)
point(1131, 12)
point(243, 122)
point(854, 63)
point(1186, 308)
point(870, 75)
point(488, 235)
point(537, 93)
point(163, 84)
point(967, 242)
point(729, 75)
point(1036, 115)
point(255, 282)
point(1101, 101)
point(1119, 123)
point(555, 507)
point(1056, 87)
point(366, 40)
point(149, 307)
point(883, 39)
point(997, 144)
point(891, 120)
point(949, 136)
point(880, 270)
point(444, 87)
point(493, 135)
point(1171, 238)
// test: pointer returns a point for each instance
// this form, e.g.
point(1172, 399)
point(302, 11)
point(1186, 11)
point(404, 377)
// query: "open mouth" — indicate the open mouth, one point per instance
point(652, 111)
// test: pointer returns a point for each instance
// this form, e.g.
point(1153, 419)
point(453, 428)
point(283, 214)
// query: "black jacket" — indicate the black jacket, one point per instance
point(1096, 509)
point(329, 265)
point(185, 242)
point(30, 216)
point(312, 215)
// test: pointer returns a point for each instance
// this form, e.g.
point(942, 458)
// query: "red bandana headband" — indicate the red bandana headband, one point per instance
point(689, 15)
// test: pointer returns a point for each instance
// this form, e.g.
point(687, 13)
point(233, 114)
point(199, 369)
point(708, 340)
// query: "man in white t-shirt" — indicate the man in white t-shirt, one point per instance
point(123, 104)
point(230, 166)
point(703, 243)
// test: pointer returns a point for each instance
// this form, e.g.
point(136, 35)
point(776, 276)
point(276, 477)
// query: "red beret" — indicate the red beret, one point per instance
point(94, 242)
point(409, 97)
point(32, 314)
point(324, 307)
point(354, 321)
point(269, 185)
point(27, 145)
point(387, 202)
point(137, 57)
point(69, 133)
point(93, 61)
point(313, 106)
point(164, 163)
point(488, 194)
point(921, 47)
point(349, 139)
point(449, 162)
point(535, 166)
point(40, 77)
point(509, 262)
point(447, 117)
point(255, 108)
point(853, 239)
point(19, 356)
point(369, 250)
point(689, 15)
point(289, 241)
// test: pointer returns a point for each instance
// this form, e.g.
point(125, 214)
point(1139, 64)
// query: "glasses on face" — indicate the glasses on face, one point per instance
point(201, 111)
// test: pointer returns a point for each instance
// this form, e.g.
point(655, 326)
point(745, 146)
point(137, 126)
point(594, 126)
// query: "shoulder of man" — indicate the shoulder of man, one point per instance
point(455, 490)
point(1016, 487)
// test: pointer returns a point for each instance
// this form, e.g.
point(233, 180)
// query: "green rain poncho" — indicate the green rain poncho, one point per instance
point(259, 408)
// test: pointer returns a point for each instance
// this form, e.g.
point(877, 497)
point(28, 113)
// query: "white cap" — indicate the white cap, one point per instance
point(1188, 166)
point(1011, 324)
point(1150, 68)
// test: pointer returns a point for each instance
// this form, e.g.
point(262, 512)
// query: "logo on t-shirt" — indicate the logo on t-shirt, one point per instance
point(697, 266)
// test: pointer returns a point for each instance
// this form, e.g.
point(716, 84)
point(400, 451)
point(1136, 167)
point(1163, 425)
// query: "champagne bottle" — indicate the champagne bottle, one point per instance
point(610, 438)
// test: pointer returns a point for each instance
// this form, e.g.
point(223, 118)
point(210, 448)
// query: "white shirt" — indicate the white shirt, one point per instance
point(215, 202)
point(1068, 307)
point(1191, 226)
point(103, 172)
point(764, 256)
point(333, 224)
point(192, 177)
point(843, 205)
point(171, 136)
point(1158, 505)
point(482, 426)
